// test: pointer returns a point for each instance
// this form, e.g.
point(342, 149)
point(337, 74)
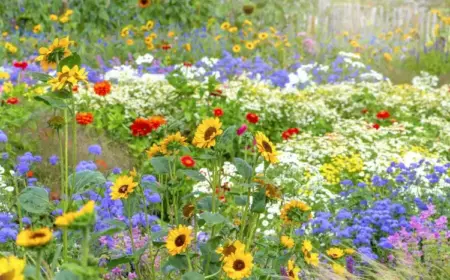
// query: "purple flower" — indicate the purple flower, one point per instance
point(5, 156)
point(95, 150)
point(116, 170)
point(53, 160)
point(3, 137)
point(26, 220)
point(149, 178)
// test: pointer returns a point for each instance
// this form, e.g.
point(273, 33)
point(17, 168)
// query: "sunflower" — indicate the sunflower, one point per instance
point(312, 259)
point(122, 187)
point(144, 3)
point(293, 270)
point(236, 48)
point(287, 242)
point(238, 265)
point(338, 269)
point(149, 25)
point(205, 136)
point(230, 248)
point(225, 25)
point(349, 251)
point(263, 36)
point(34, 238)
point(69, 76)
point(295, 212)
point(153, 151)
point(250, 45)
point(178, 240)
point(172, 143)
point(266, 148)
point(58, 50)
point(11, 268)
point(307, 247)
point(69, 218)
point(272, 191)
point(335, 253)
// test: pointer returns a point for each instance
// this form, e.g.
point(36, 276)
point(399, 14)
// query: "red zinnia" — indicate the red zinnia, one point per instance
point(187, 64)
point(166, 47)
point(30, 174)
point(252, 118)
point(364, 111)
point(382, 115)
point(12, 100)
point(84, 118)
point(216, 92)
point(157, 121)
point(289, 132)
point(218, 112)
point(21, 64)
point(141, 127)
point(187, 161)
point(102, 88)
point(376, 126)
point(75, 88)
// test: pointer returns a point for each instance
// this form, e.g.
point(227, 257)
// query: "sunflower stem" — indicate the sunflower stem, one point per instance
point(85, 256)
point(189, 261)
point(38, 265)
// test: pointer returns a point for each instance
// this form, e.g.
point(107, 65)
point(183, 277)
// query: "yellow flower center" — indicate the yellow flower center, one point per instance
point(123, 189)
point(238, 265)
point(179, 241)
point(267, 147)
point(210, 132)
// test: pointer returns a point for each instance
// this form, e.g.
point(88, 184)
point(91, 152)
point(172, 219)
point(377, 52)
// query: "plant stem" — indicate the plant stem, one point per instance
point(189, 261)
point(74, 142)
point(85, 256)
point(65, 245)
point(19, 208)
point(38, 265)
point(66, 161)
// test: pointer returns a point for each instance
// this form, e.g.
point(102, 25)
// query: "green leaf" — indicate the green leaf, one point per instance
point(243, 168)
point(115, 262)
point(66, 275)
point(228, 136)
point(107, 232)
point(69, 61)
point(153, 186)
point(40, 76)
point(212, 218)
point(84, 179)
point(259, 201)
point(178, 261)
point(103, 15)
point(51, 101)
point(240, 200)
point(34, 200)
point(192, 275)
point(205, 203)
point(193, 174)
point(160, 164)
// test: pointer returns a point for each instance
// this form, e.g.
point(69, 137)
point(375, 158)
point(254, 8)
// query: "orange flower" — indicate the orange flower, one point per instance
point(144, 3)
point(84, 118)
point(30, 174)
point(157, 121)
point(187, 161)
point(102, 88)
point(141, 127)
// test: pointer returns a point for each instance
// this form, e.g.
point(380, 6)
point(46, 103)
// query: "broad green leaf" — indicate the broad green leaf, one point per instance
point(192, 275)
point(178, 262)
point(212, 218)
point(160, 164)
point(193, 174)
point(40, 76)
point(66, 275)
point(259, 201)
point(243, 168)
point(122, 260)
point(153, 186)
point(84, 179)
point(34, 200)
point(52, 101)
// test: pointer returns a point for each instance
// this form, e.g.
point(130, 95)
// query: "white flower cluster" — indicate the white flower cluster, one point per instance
point(425, 81)
point(228, 172)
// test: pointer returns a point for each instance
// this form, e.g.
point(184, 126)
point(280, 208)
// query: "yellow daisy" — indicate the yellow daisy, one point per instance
point(263, 36)
point(58, 50)
point(335, 253)
point(230, 248)
point(312, 259)
point(153, 151)
point(172, 143)
point(236, 48)
point(123, 187)
point(249, 45)
point(238, 265)
point(225, 25)
point(206, 133)
point(11, 268)
point(349, 251)
point(34, 238)
point(266, 147)
point(178, 239)
point(287, 242)
point(293, 270)
point(338, 269)
point(307, 247)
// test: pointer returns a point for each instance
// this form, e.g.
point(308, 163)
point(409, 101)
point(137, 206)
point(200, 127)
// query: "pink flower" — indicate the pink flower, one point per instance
point(116, 270)
point(241, 130)
point(132, 275)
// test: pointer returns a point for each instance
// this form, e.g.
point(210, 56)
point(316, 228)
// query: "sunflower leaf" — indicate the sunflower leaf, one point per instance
point(259, 201)
point(193, 174)
point(160, 164)
point(243, 168)
point(192, 275)
point(212, 218)
point(34, 200)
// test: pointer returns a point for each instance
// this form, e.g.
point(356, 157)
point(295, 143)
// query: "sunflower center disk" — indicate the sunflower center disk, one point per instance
point(291, 273)
point(36, 235)
point(267, 147)
point(8, 275)
point(179, 241)
point(238, 265)
point(210, 132)
point(123, 189)
point(229, 250)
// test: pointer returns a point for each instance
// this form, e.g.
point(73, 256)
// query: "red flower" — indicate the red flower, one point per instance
point(364, 111)
point(12, 100)
point(187, 64)
point(84, 118)
point(102, 88)
point(75, 88)
point(187, 161)
point(30, 174)
point(101, 163)
point(376, 126)
point(289, 132)
point(218, 112)
point(157, 121)
point(21, 65)
point(382, 115)
point(166, 47)
point(252, 118)
point(141, 127)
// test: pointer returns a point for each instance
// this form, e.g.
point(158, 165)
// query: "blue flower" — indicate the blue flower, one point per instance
point(53, 160)
point(26, 220)
point(148, 178)
point(5, 155)
point(95, 150)
point(116, 170)
point(3, 137)
point(347, 182)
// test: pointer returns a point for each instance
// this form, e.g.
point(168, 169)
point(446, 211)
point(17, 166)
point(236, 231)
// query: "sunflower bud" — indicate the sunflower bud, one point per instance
point(56, 122)
point(248, 9)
